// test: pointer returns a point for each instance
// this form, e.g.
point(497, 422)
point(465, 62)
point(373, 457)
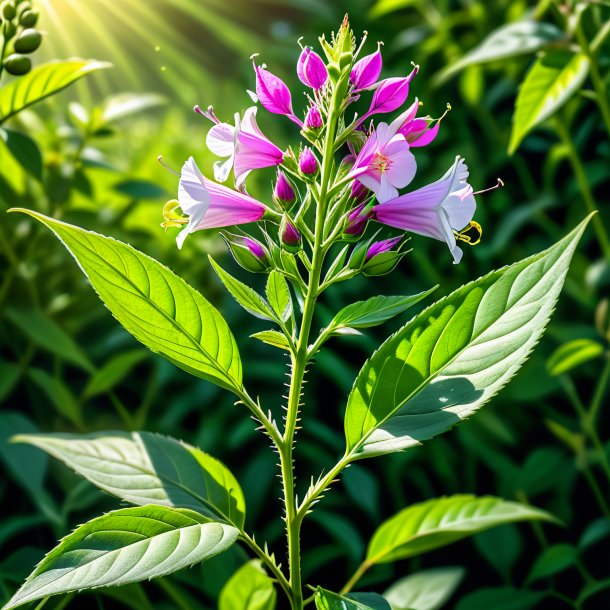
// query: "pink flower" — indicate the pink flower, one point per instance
point(385, 163)
point(418, 131)
point(221, 140)
point(273, 94)
point(439, 210)
point(366, 71)
point(307, 162)
point(311, 70)
point(209, 205)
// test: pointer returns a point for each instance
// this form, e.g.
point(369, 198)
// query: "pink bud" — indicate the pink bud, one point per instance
point(356, 222)
point(289, 236)
point(283, 192)
point(255, 247)
point(311, 69)
point(313, 119)
point(366, 71)
point(307, 162)
point(359, 191)
point(382, 246)
point(273, 94)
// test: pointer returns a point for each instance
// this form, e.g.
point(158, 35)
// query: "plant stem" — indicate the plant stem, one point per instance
point(356, 576)
point(598, 396)
point(583, 184)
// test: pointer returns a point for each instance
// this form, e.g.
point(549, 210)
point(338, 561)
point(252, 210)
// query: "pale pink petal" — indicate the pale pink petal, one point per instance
point(220, 139)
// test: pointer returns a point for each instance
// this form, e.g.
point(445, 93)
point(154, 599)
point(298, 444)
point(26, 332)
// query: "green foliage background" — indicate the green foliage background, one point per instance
point(65, 365)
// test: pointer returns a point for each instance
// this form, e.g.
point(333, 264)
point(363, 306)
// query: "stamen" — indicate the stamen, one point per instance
point(208, 114)
point(167, 167)
point(472, 227)
point(173, 215)
point(499, 185)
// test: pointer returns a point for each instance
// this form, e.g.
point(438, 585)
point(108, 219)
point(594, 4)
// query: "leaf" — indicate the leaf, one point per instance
point(501, 598)
point(449, 360)
point(374, 311)
point(548, 85)
point(144, 468)
point(248, 589)
point(125, 104)
point(46, 333)
point(510, 40)
point(156, 306)
point(59, 394)
point(278, 295)
point(553, 560)
point(113, 372)
point(435, 523)
point(573, 354)
point(42, 82)
point(594, 533)
point(272, 337)
point(501, 548)
point(248, 298)
point(426, 590)
point(125, 546)
point(384, 7)
point(25, 150)
point(327, 600)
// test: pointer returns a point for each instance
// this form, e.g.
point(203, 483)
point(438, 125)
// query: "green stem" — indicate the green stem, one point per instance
point(583, 184)
point(356, 576)
point(598, 396)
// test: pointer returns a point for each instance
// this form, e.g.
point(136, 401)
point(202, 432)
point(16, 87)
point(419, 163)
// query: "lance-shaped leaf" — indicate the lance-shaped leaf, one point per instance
point(550, 83)
point(144, 468)
point(278, 295)
point(125, 546)
point(248, 589)
point(327, 600)
point(156, 306)
point(42, 82)
point(453, 357)
point(374, 311)
point(435, 523)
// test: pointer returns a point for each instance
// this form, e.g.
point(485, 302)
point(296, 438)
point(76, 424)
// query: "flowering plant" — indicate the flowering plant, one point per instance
point(435, 371)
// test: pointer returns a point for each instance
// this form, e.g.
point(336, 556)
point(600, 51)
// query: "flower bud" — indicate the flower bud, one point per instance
point(307, 162)
point(8, 10)
point(248, 253)
point(379, 247)
point(17, 65)
point(289, 236)
point(272, 92)
point(9, 29)
point(28, 18)
point(359, 192)
point(380, 258)
point(356, 223)
point(28, 41)
point(313, 119)
point(391, 94)
point(366, 71)
point(311, 70)
point(283, 193)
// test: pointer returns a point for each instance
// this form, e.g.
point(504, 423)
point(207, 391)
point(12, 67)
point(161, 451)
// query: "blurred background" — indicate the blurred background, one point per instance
point(90, 158)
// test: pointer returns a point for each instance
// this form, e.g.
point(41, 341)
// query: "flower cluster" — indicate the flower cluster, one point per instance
point(363, 183)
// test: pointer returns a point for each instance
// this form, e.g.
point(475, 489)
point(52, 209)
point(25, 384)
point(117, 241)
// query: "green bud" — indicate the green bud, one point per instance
point(334, 72)
point(382, 263)
point(248, 252)
point(358, 257)
point(17, 65)
point(346, 60)
point(28, 18)
point(9, 29)
point(8, 10)
point(28, 41)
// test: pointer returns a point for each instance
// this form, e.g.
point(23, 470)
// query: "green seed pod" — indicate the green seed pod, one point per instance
point(9, 29)
point(28, 18)
point(8, 10)
point(28, 41)
point(17, 65)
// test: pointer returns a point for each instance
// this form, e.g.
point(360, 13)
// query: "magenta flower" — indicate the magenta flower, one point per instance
point(389, 95)
point(313, 118)
point(273, 94)
point(384, 245)
point(283, 191)
point(209, 205)
point(311, 70)
point(385, 163)
point(418, 131)
point(307, 162)
point(439, 210)
point(366, 71)
point(253, 150)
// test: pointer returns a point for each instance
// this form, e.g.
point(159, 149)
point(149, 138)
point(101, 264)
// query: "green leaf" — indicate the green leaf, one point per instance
point(46, 333)
point(553, 560)
point(278, 295)
point(452, 358)
point(327, 600)
point(384, 7)
point(501, 598)
point(510, 40)
point(113, 372)
point(594, 533)
point(59, 394)
point(248, 298)
point(573, 354)
point(25, 150)
point(126, 104)
point(42, 82)
point(427, 590)
point(156, 306)
point(549, 84)
point(436, 523)
point(125, 546)
point(374, 311)
point(248, 589)
point(144, 468)
point(272, 337)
